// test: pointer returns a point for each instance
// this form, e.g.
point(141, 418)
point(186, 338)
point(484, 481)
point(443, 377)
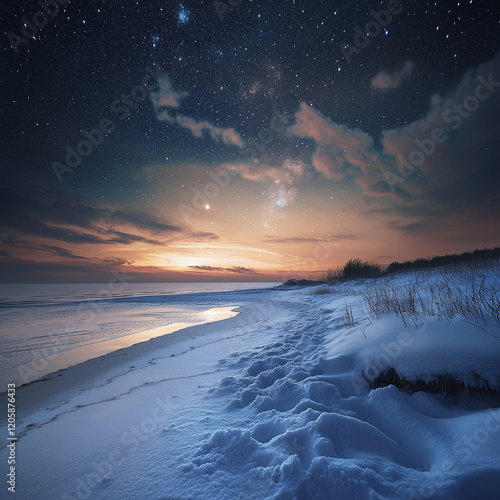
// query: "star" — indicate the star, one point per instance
point(155, 39)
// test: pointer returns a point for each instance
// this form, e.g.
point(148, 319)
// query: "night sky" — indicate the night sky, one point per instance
point(244, 140)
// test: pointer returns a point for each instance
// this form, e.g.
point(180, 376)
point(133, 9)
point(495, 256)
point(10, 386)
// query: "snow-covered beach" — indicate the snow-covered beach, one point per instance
point(295, 397)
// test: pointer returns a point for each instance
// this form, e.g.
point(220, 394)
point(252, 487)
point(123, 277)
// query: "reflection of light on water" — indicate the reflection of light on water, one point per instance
point(218, 313)
point(66, 357)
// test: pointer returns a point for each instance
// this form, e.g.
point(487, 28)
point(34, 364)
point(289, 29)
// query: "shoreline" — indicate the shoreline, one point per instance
point(51, 366)
point(93, 374)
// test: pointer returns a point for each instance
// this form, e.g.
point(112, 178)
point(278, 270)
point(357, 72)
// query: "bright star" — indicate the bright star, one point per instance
point(155, 39)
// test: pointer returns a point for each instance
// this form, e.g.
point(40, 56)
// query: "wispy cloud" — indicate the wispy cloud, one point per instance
point(312, 240)
point(62, 252)
point(203, 236)
point(234, 269)
point(391, 81)
point(166, 97)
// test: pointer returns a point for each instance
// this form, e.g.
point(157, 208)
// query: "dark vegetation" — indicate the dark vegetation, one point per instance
point(454, 390)
point(437, 261)
point(356, 268)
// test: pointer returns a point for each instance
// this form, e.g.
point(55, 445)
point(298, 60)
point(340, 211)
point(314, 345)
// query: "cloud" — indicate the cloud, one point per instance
point(143, 220)
point(127, 238)
point(56, 235)
point(460, 171)
point(289, 172)
point(234, 269)
point(48, 212)
point(118, 261)
point(255, 172)
point(242, 270)
point(203, 236)
point(166, 97)
point(54, 250)
point(414, 227)
point(78, 237)
point(45, 211)
point(62, 252)
point(45, 223)
point(228, 136)
point(292, 240)
point(312, 240)
point(339, 149)
point(390, 81)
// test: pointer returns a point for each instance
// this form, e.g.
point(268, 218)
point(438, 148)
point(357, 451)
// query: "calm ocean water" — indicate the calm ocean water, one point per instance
point(63, 317)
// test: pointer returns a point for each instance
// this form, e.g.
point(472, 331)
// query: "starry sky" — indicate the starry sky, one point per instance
point(244, 140)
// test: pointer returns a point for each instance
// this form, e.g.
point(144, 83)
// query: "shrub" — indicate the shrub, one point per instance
point(332, 275)
point(356, 268)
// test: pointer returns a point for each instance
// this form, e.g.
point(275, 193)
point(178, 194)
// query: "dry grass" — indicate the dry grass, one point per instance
point(471, 291)
point(348, 318)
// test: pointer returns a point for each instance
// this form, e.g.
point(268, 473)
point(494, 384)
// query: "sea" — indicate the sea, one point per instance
point(70, 323)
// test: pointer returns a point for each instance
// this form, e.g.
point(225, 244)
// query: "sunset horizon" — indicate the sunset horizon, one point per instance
point(250, 158)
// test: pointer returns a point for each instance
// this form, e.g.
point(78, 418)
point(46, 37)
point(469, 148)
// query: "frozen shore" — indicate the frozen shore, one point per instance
point(56, 359)
point(276, 402)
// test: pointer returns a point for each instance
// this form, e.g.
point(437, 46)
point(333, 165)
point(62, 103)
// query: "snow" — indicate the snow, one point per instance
point(273, 403)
